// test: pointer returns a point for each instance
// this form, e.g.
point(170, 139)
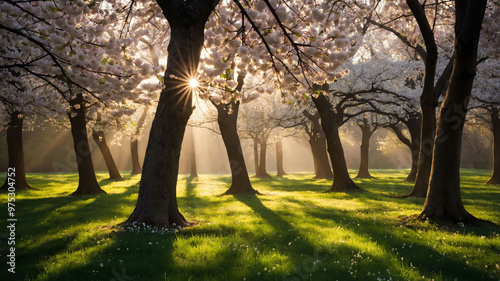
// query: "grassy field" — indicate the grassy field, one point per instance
point(293, 232)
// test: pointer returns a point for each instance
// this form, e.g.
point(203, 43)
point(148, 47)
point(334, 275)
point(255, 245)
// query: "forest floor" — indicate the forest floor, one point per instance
point(292, 232)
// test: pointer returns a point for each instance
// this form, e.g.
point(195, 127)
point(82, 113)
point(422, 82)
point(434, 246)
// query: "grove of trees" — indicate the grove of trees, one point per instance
point(271, 69)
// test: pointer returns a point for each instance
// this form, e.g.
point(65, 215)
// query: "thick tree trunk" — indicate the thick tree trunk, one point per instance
point(100, 139)
point(443, 203)
point(279, 158)
point(134, 144)
point(87, 182)
point(157, 201)
point(317, 141)
point(16, 153)
point(366, 133)
point(262, 171)
point(134, 150)
point(495, 128)
point(228, 129)
point(341, 180)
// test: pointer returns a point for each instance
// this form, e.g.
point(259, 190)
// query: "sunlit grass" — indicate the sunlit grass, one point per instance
point(293, 232)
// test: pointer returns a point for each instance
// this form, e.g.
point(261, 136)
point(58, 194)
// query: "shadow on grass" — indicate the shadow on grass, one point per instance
point(310, 261)
point(413, 254)
point(190, 186)
point(64, 241)
point(114, 256)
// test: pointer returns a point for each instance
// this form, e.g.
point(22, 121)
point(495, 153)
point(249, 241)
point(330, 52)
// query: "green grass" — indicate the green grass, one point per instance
point(293, 232)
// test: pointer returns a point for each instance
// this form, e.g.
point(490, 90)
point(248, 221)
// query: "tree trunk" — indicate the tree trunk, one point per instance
point(414, 163)
point(227, 124)
point(315, 160)
point(87, 182)
point(16, 153)
point(317, 141)
point(443, 203)
point(255, 153)
point(279, 158)
point(134, 143)
point(157, 201)
point(428, 101)
point(100, 140)
point(495, 127)
point(413, 125)
point(192, 154)
point(134, 149)
point(366, 133)
point(341, 180)
point(262, 172)
point(425, 153)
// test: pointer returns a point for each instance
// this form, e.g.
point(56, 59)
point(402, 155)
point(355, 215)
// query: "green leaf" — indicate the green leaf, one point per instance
point(161, 78)
point(63, 47)
point(92, 3)
point(318, 91)
point(227, 73)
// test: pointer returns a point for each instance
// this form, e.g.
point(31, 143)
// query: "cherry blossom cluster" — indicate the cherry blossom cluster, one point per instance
point(302, 42)
point(54, 50)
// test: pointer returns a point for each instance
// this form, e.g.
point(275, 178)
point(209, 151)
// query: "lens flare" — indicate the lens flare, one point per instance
point(193, 83)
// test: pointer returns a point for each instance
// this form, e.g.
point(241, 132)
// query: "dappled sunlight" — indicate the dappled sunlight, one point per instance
point(294, 231)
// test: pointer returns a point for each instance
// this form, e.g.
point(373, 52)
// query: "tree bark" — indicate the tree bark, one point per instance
point(317, 141)
point(134, 149)
point(262, 171)
point(425, 153)
point(279, 158)
point(87, 182)
point(100, 139)
point(157, 201)
point(228, 128)
point(428, 102)
point(443, 203)
point(366, 133)
point(495, 128)
point(16, 153)
point(342, 182)
point(134, 144)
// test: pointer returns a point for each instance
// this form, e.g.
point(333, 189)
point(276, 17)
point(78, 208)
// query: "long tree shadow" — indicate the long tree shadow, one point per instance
point(419, 256)
point(310, 261)
point(56, 220)
point(190, 187)
point(114, 258)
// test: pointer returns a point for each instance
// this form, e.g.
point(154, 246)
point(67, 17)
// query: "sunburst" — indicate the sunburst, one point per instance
point(188, 77)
